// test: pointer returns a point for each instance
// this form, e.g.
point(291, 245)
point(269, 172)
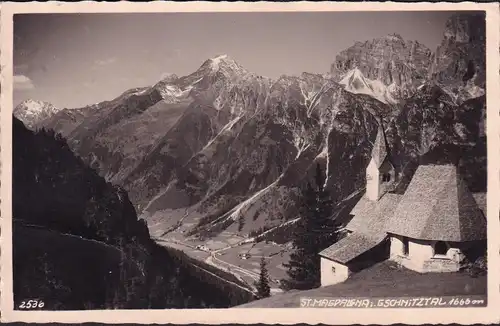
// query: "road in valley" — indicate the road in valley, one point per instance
point(245, 275)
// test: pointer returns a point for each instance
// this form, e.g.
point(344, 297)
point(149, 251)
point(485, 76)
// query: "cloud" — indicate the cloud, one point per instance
point(105, 61)
point(20, 68)
point(22, 82)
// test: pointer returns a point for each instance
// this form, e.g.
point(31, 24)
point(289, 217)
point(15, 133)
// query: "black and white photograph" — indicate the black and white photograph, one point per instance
point(204, 160)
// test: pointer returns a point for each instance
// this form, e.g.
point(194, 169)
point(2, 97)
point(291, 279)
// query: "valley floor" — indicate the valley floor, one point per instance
point(227, 258)
point(385, 279)
point(225, 252)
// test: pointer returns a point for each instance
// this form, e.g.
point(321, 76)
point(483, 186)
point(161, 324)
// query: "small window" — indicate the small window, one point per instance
point(440, 248)
point(386, 177)
point(333, 270)
point(406, 247)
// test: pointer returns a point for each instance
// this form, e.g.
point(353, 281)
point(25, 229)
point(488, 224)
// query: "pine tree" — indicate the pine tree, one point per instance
point(315, 231)
point(241, 223)
point(263, 288)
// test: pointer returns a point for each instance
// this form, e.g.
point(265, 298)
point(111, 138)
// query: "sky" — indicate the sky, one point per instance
point(73, 60)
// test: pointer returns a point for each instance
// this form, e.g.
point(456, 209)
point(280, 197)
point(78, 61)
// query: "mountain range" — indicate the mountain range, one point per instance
point(224, 149)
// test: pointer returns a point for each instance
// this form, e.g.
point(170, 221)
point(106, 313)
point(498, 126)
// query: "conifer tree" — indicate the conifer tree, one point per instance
point(263, 288)
point(315, 231)
point(241, 223)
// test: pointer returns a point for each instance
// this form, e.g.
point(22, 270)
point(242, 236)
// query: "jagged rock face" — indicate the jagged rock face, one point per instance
point(33, 113)
point(402, 65)
point(459, 63)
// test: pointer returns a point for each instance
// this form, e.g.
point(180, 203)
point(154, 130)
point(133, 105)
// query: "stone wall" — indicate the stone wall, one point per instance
point(333, 272)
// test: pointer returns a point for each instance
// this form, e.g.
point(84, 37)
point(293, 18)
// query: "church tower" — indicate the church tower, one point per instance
point(380, 173)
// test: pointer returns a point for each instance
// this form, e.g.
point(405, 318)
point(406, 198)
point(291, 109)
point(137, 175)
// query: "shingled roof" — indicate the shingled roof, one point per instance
point(371, 217)
point(368, 226)
point(379, 151)
point(351, 247)
point(437, 205)
point(480, 198)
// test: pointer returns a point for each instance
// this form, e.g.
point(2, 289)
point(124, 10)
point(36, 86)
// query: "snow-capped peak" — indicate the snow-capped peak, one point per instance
point(34, 107)
point(216, 60)
point(31, 112)
point(355, 82)
point(225, 64)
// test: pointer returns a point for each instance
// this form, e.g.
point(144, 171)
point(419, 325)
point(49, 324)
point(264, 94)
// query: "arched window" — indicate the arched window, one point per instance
point(386, 177)
point(440, 248)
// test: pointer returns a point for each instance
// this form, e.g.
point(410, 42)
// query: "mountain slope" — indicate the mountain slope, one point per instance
point(66, 120)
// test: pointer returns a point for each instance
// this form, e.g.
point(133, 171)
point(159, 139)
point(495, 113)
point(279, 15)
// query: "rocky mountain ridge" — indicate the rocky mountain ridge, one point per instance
point(399, 65)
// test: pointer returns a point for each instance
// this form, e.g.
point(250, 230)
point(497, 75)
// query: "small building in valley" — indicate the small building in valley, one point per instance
point(429, 228)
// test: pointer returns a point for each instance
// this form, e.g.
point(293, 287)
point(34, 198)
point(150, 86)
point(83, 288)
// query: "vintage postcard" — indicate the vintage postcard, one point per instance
point(215, 163)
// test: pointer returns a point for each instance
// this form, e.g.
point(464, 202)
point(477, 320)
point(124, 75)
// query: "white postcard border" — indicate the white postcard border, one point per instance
point(255, 315)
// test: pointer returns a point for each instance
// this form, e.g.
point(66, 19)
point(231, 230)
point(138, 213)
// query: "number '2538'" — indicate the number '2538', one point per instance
point(31, 304)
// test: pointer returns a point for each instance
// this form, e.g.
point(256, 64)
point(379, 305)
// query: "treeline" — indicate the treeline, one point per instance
point(101, 256)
